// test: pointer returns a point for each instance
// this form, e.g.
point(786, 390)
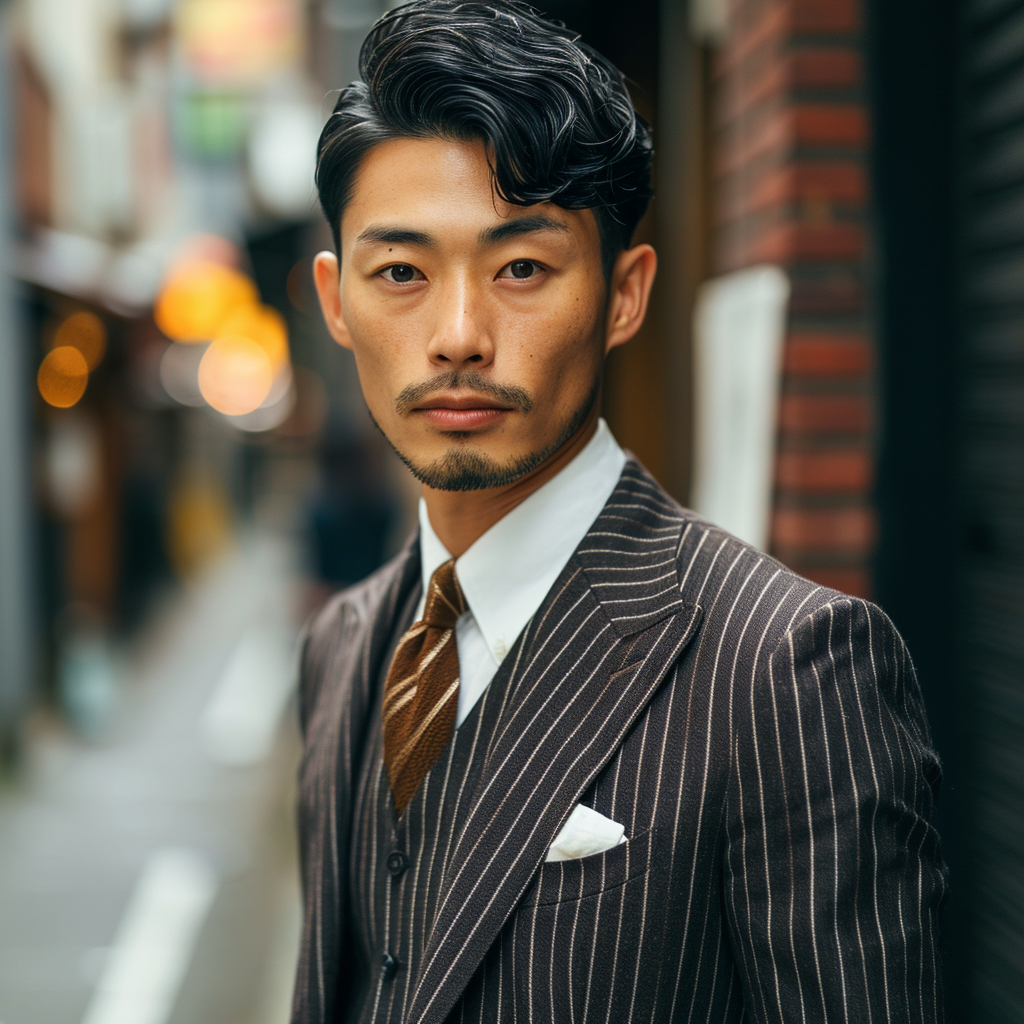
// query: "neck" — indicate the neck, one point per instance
point(460, 518)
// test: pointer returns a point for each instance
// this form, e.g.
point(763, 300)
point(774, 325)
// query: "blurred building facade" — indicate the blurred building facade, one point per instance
point(873, 151)
point(148, 137)
point(870, 153)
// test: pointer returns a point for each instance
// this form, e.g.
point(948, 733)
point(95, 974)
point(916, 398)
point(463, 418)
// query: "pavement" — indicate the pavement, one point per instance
point(149, 876)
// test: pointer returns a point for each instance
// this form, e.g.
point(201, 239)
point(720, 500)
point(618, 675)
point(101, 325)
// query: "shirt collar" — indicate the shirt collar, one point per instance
point(508, 571)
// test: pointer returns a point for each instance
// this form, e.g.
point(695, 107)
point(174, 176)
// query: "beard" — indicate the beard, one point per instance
point(462, 468)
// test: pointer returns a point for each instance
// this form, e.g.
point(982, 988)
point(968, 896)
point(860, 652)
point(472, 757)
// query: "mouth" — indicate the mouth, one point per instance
point(462, 412)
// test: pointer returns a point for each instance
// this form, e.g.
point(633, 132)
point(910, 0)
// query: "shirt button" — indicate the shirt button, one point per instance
point(389, 967)
point(397, 862)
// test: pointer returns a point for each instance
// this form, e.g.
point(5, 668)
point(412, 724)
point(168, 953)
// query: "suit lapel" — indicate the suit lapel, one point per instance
point(595, 653)
point(345, 660)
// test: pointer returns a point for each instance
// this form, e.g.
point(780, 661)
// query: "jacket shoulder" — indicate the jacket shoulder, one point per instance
point(739, 588)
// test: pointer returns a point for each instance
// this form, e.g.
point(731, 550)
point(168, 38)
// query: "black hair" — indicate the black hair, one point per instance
point(554, 115)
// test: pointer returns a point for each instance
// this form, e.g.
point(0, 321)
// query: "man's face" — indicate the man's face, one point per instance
point(478, 327)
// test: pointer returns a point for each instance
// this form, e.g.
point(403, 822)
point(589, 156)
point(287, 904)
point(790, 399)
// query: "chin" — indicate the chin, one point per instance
point(462, 468)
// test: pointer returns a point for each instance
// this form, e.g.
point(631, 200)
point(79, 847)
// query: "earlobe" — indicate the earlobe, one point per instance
point(327, 277)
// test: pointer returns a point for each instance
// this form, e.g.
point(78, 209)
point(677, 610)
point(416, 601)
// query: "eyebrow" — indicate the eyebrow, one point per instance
point(521, 226)
point(489, 236)
point(397, 236)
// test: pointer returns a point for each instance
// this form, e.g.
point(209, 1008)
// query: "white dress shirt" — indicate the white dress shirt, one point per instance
point(508, 571)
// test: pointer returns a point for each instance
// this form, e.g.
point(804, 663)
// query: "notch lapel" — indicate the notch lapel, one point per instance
point(595, 653)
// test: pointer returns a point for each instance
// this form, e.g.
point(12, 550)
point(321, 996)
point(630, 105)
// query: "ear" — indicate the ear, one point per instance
point(632, 278)
point(327, 276)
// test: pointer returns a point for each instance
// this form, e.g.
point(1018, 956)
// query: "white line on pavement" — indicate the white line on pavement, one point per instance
point(239, 723)
point(154, 941)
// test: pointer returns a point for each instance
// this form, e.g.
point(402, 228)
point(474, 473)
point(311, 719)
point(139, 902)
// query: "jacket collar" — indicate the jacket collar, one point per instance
point(588, 663)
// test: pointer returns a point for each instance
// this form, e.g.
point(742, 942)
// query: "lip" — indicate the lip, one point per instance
point(462, 412)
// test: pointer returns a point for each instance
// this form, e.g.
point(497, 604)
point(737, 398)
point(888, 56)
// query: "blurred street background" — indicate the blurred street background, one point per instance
point(833, 369)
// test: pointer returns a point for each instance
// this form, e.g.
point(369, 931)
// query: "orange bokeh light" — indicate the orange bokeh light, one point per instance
point(235, 375)
point(198, 297)
point(265, 326)
point(84, 331)
point(63, 376)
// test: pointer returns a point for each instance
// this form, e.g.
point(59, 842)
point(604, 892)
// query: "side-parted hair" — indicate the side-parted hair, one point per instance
point(554, 115)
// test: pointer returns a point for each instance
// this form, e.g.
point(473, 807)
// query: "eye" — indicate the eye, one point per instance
point(401, 273)
point(521, 269)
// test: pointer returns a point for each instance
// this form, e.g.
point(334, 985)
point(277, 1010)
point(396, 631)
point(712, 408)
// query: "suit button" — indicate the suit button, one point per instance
point(397, 862)
point(389, 967)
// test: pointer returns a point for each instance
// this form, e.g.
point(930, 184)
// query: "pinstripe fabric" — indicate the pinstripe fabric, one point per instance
point(762, 739)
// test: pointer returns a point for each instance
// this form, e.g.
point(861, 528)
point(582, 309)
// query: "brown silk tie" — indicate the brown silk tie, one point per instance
point(421, 694)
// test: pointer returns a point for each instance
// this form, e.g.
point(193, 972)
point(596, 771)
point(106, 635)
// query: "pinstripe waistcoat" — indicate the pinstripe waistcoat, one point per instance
point(762, 740)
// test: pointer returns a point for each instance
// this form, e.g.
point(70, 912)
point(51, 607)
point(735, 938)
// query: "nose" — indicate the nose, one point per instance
point(462, 336)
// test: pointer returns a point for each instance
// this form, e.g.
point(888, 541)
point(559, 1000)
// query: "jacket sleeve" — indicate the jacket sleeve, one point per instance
point(833, 874)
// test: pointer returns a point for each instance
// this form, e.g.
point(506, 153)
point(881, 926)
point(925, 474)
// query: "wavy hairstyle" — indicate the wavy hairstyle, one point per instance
point(554, 114)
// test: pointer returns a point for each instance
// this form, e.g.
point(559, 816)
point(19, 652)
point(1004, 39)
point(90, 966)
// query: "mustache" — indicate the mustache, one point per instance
point(452, 380)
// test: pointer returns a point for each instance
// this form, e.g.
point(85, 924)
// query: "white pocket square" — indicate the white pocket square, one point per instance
point(585, 833)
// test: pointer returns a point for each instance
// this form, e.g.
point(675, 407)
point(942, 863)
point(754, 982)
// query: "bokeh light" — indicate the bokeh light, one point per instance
point(235, 375)
point(62, 377)
point(275, 408)
point(84, 331)
point(238, 42)
point(198, 297)
point(262, 324)
point(179, 372)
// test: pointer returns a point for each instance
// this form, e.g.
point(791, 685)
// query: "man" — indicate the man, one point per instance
point(575, 754)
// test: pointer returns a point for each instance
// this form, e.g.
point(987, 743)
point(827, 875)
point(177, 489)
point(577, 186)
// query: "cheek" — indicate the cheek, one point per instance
point(375, 347)
point(566, 353)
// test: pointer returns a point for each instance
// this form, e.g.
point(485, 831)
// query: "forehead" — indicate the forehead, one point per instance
point(441, 185)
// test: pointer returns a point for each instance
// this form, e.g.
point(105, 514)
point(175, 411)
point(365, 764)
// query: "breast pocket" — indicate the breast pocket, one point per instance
point(577, 932)
point(577, 879)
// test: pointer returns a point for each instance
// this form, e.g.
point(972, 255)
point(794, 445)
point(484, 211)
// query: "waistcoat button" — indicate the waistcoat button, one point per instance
point(389, 967)
point(397, 862)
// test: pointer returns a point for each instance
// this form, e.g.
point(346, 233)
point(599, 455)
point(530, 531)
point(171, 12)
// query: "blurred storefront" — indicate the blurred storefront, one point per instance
point(186, 469)
point(181, 381)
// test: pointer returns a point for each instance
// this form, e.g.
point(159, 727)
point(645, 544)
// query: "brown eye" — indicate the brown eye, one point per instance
point(522, 268)
point(400, 273)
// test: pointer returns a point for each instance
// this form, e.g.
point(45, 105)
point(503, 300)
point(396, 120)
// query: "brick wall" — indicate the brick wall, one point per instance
point(790, 134)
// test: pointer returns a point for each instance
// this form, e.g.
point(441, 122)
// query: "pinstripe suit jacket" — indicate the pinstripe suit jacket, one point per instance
point(761, 738)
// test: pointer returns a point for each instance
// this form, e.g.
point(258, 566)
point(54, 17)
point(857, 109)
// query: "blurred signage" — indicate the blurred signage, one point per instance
point(739, 326)
point(238, 43)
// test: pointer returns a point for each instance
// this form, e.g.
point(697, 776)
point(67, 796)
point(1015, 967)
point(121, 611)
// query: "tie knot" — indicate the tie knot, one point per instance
point(445, 601)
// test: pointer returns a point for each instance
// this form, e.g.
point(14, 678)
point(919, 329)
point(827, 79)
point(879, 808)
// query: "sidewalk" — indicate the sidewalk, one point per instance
point(150, 878)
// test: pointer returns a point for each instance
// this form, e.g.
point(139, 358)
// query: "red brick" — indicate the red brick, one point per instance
point(833, 181)
point(834, 472)
point(825, 67)
point(829, 124)
point(827, 355)
point(776, 22)
point(775, 130)
point(825, 414)
point(772, 74)
point(795, 241)
point(836, 530)
point(742, 144)
point(849, 579)
point(824, 16)
point(746, 39)
point(838, 294)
